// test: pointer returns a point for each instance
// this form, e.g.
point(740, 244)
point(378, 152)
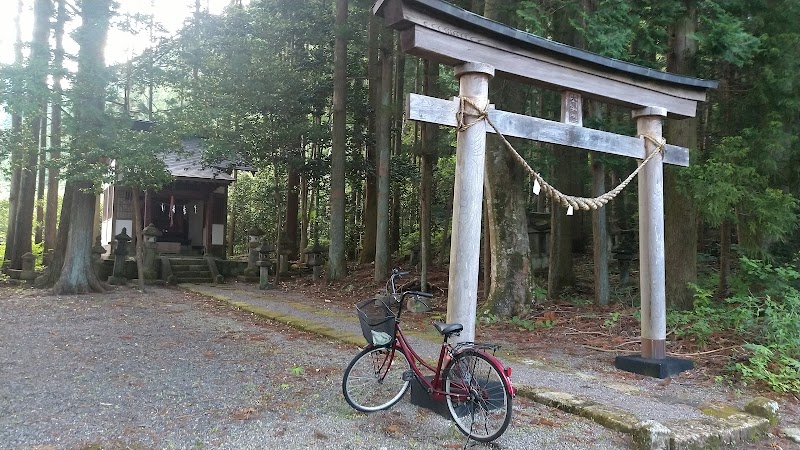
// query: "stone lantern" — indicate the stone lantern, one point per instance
point(315, 260)
point(264, 262)
point(284, 250)
point(255, 234)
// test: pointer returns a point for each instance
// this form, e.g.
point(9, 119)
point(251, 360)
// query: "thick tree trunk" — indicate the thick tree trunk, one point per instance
point(16, 155)
point(13, 197)
point(561, 270)
point(50, 276)
point(53, 172)
point(383, 144)
point(371, 190)
point(680, 215)
point(38, 65)
point(77, 275)
point(505, 188)
point(563, 228)
point(337, 267)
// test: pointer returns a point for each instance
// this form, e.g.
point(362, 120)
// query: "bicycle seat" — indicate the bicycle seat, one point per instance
point(447, 329)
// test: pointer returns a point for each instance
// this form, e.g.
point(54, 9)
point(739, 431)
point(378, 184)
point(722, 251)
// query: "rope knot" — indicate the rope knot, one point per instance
point(469, 107)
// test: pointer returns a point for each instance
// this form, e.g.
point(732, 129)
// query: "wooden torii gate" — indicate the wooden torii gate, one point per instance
point(479, 48)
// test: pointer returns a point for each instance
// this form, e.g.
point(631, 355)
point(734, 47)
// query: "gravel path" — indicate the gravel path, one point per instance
point(169, 369)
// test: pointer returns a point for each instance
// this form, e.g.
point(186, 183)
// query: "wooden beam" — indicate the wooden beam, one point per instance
point(443, 112)
point(532, 68)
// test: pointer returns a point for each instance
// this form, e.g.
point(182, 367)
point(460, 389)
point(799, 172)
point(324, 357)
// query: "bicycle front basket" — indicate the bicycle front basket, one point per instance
point(377, 320)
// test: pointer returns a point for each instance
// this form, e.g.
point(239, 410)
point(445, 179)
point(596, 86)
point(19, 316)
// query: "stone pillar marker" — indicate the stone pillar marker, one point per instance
point(28, 272)
point(120, 255)
point(150, 251)
point(97, 256)
point(462, 298)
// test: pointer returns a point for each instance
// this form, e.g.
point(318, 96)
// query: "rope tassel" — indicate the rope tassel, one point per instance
point(571, 203)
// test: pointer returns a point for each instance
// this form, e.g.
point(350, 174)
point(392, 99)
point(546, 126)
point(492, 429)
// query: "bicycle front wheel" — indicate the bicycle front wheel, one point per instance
point(478, 396)
point(374, 379)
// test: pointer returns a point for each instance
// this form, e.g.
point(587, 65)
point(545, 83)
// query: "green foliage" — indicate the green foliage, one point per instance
point(522, 324)
point(612, 320)
point(728, 187)
point(764, 311)
point(726, 35)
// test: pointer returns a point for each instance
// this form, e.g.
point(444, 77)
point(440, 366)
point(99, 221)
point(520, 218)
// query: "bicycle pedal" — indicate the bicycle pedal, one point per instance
point(409, 375)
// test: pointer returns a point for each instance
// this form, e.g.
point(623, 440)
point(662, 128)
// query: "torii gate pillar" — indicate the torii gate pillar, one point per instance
point(462, 296)
point(653, 360)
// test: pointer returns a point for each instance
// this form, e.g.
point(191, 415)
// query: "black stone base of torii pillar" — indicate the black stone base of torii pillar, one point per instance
point(656, 368)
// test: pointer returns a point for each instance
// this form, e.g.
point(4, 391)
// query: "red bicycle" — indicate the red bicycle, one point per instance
point(473, 382)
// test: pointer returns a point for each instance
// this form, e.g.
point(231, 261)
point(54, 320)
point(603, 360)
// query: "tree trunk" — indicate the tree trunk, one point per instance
point(16, 154)
point(38, 65)
point(680, 214)
point(563, 228)
point(561, 271)
point(231, 234)
point(599, 234)
point(506, 193)
point(292, 209)
point(337, 267)
point(304, 210)
point(383, 144)
point(138, 234)
point(53, 272)
point(371, 190)
point(723, 289)
point(77, 275)
point(427, 161)
point(53, 172)
point(397, 148)
point(42, 176)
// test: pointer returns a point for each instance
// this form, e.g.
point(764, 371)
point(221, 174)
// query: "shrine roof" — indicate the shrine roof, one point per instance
point(189, 164)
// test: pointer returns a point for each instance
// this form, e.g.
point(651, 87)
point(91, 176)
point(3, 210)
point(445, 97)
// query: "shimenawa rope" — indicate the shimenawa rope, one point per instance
point(567, 201)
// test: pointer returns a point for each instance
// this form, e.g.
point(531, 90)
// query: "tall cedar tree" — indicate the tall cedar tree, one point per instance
point(77, 275)
point(337, 267)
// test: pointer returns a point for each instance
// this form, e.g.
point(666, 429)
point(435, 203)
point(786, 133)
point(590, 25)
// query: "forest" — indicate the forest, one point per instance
point(311, 94)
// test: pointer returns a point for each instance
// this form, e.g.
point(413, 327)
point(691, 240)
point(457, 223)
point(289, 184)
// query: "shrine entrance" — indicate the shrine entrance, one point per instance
point(479, 49)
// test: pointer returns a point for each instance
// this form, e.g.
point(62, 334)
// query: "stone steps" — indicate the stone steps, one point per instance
point(191, 270)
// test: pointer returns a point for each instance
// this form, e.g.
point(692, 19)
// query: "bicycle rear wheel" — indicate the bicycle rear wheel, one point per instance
point(478, 396)
point(374, 379)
